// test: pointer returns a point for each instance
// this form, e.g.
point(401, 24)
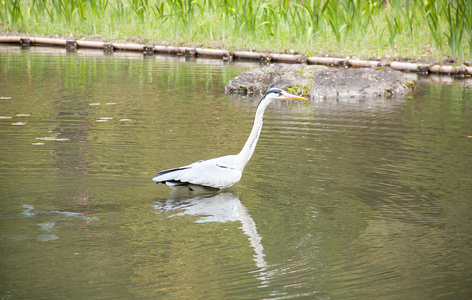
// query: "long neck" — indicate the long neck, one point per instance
point(250, 146)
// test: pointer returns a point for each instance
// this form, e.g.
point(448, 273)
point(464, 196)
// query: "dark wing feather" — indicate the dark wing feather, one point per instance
point(170, 170)
point(217, 173)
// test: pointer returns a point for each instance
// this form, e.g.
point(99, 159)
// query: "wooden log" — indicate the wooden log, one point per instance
point(160, 49)
point(459, 72)
point(10, 39)
point(285, 58)
point(91, 44)
point(132, 47)
point(48, 41)
point(247, 55)
point(326, 61)
point(212, 52)
point(175, 50)
point(404, 66)
point(441, 69)
point(456, 71)
point(357, 63)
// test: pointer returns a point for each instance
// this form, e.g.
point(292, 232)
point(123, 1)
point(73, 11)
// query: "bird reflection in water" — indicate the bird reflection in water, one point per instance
point(220, 207)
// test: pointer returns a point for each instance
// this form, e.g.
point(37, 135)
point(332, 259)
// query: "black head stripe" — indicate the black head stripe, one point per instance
point(273, 90)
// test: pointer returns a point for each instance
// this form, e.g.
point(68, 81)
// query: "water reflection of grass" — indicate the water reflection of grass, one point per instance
point(433, 28)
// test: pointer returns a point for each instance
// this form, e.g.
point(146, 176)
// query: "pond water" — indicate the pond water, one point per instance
point(347, 199)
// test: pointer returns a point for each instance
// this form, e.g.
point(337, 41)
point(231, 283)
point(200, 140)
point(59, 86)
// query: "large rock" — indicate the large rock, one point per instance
point(321, 82)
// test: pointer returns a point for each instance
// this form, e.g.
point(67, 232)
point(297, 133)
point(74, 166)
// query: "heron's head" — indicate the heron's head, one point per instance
point(277, 94)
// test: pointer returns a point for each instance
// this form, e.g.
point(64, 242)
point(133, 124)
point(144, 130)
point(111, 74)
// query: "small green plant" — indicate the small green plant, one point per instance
point(432, 17)
point(10, 13)
point(335, 17)
point(456, 22)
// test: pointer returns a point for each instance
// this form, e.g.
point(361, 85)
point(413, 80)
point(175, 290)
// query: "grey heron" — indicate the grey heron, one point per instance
point(222, 172)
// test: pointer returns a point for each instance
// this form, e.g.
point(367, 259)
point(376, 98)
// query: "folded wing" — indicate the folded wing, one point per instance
point(215, 173)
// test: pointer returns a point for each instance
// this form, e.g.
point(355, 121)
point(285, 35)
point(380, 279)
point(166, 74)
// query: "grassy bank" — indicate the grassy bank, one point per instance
point(438, 29)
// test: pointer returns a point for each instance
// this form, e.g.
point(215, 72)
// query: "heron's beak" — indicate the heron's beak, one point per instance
point(290, 96)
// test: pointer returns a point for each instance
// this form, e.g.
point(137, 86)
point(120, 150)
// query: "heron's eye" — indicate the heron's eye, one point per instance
point(280, 94)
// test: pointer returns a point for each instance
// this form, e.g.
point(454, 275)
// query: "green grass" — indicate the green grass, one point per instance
point(437, 29)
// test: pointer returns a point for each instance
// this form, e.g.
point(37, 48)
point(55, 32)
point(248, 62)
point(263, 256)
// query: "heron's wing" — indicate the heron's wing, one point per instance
point(217, 173)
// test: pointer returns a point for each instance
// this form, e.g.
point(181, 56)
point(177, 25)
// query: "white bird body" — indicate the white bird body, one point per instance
point(222, 172)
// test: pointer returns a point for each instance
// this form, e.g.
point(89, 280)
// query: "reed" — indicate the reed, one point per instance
point(368, 27)
point(468, 27)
